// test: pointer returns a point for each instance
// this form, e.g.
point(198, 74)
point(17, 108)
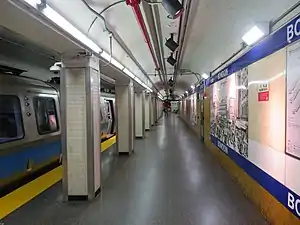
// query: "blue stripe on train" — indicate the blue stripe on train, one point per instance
point(16, 162)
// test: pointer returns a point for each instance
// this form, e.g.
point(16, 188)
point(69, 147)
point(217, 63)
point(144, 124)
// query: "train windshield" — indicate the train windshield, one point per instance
point(46, 116)
point(11, 124)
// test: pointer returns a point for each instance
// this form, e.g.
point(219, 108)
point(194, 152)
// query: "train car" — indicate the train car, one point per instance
point(30, 128)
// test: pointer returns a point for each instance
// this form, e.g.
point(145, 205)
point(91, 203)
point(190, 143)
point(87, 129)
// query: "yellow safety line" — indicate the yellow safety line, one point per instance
point(19, 197)
point(24, 194)
point(106, 144)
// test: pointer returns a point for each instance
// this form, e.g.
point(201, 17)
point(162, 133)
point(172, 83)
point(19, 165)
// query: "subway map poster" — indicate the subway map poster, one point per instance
point(229, 111)
point(293, 101)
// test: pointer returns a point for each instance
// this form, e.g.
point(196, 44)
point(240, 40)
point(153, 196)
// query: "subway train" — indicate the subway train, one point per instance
point(30, 128)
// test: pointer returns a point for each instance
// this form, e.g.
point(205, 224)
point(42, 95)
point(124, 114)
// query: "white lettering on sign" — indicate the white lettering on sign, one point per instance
point(263, 87)
point(223, 147)
point(292, 30)
point(293, 204)
point(223, 73)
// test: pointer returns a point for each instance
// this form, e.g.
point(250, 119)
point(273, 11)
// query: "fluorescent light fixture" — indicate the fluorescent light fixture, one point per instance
point(253, 35)
point(138, 81)
point(131, 75)
point(204, 76)
point(149, 89)
point(117, 64)
point(33, 3)
point(145, 86)
point(106, 56)
point(68, 27)
point(193, 87)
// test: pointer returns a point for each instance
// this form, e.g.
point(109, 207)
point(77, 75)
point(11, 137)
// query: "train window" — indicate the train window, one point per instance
point(11, 123)
point(46, 115)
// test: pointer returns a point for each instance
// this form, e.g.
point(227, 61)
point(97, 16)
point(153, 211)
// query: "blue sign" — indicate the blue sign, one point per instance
point(285, 196)
point(278, 40)
point(200, 88)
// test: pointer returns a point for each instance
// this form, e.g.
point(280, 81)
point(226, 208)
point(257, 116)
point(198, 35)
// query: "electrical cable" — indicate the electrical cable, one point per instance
point(100, 16)
point(97, 14)
point(110, 49)
point(105, 24)
point(106, 8)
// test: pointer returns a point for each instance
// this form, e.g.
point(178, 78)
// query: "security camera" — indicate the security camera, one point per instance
point(55, 68)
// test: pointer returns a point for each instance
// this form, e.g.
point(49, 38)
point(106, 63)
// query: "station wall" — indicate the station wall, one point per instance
point(252, 123)
point(190, 112)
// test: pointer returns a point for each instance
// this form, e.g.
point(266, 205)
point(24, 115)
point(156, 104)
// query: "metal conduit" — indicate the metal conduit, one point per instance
point(139, 17)
point(119, 41)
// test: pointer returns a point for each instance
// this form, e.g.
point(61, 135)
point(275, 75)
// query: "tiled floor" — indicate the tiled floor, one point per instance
point(171, 179)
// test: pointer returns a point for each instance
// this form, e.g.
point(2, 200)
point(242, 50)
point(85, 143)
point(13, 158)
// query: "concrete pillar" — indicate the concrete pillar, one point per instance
point(155, 110)
point(147, 112)
point(125, 118)
point(139, 114)
point(151, 111)
point(81, 143)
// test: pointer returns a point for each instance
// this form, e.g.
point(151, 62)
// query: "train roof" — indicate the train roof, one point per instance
point(8, 81)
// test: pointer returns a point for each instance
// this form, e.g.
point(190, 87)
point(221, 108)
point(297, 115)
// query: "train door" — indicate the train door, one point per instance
point(111, 116)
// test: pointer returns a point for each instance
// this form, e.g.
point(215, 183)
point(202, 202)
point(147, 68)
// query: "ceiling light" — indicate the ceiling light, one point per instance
point(253, 35)
point(117, 64)
point(171, 44)
point(106, 56)
point(131, 75)
point(171, 60)
point(69, 28)
point(193, 87)
point(138, 80)
point(204, 76)
point(173, 7)
point(33, 3)
point(186, 92)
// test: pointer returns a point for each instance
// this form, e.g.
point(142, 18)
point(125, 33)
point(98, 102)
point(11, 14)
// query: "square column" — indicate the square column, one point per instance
point(139, 114)
point(125, 117)
point(147, 111)
point(155, 109)
point(152, 111)
point(81, 143)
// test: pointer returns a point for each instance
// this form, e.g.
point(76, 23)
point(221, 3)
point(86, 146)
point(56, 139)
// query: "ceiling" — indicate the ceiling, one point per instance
point(213, 33)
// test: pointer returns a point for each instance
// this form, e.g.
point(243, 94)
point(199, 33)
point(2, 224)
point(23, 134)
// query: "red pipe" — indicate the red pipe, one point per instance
point(139, 17)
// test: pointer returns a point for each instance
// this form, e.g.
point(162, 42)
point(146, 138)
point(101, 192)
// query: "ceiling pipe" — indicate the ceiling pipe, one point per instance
point(160, 38)
point(179, 53)
point(139, 17)
point(120, 41)
point(148, 10)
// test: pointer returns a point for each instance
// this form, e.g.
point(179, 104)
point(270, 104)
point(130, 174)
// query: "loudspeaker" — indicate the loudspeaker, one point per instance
point(173, 7)
point(171, 44)
point(171, 60)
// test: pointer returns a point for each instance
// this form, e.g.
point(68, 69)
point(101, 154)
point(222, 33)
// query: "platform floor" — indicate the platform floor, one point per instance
point(171, 179)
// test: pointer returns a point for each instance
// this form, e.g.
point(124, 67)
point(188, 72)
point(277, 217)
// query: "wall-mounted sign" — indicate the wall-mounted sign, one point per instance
point(263, 92)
